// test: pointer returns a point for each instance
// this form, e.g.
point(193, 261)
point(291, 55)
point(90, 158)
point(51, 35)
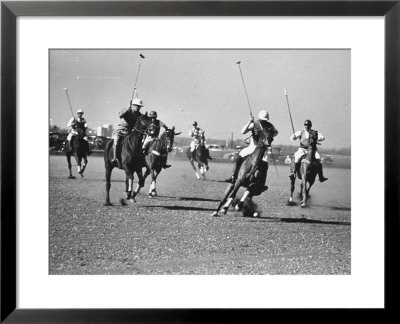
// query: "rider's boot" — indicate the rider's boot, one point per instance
point(294, 169)
point(166, 165)
point(235, 170)
point(321, 174)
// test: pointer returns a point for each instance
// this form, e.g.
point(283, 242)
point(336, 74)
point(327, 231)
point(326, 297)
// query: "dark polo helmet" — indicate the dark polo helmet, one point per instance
point(308, 123)
point(153, 114)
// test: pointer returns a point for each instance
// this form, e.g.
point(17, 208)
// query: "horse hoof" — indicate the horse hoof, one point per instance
point(215, 214)
point(71, 177)
point(81, 174)
point(303, 205)
point(224, 210)
point(122, 202)
point(108, 204)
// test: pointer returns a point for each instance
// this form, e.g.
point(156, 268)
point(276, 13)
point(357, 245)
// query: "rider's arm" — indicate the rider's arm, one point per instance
point(274, 131)
point(295, 136)
point(321, 137)
point(123, 113)
point(71, 121)
point(249, 126)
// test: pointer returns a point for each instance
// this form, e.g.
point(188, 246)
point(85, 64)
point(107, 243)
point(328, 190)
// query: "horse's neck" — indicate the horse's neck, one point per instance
point(311, 154)
point(258, 153)
point(161, 143)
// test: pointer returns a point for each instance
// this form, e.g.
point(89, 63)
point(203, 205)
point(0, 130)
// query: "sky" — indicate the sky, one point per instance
point(184, 86)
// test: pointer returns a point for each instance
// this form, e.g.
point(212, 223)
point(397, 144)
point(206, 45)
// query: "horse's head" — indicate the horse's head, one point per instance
point(313, 139)
point(81, 132)
point(170, 135)
point(142, 123)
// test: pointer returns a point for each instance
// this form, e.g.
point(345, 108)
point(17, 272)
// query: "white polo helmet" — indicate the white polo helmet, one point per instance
point(263, 115)
point(137, 102)
point(79, 111)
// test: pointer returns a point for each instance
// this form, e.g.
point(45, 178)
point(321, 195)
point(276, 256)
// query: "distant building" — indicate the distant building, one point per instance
point(109, 129)
point(105, 130)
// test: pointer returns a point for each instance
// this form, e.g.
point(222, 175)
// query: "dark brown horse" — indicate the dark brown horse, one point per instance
point(308, 171)
point(252, 176)
point(157, 155)
point(131, 161)
point(201, 155)
point(78, 147)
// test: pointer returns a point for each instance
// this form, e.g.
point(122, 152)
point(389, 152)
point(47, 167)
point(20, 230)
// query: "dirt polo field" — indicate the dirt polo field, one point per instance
point(175, 233)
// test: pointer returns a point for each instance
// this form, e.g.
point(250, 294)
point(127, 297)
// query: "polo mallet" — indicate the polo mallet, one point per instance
point(69, 102)
point(290, 115)
point(137, 75)
point(244, 86)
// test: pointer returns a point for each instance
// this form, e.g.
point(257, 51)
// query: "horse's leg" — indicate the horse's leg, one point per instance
point(78, 160)
point(223, 201)
point(231, 196)
point(241, 201)
point(292, 181)
point(304, 186)
point(152, 189)
point(69, 166)
point(85, 161)
point(109, 168)
point(146, 174)
point(140, 183)
point(194, 168)
point(129, 185)
point(202, 169)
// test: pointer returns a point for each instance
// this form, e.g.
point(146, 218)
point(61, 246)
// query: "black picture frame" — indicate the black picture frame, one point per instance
point(10, 10)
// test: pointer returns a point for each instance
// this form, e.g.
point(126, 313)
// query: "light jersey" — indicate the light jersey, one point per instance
point(195, 132)
point(80, 123)
point(304, 137)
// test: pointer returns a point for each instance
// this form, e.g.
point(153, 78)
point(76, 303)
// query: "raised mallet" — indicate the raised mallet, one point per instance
point(137, 75)
point(69, 101)
point(290, 115)
point(244, 86)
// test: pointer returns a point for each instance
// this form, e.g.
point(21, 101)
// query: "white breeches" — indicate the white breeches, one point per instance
point(193, 146)
point(146, 140)
point(248, 150)
point(72, 133)
point(300, 152)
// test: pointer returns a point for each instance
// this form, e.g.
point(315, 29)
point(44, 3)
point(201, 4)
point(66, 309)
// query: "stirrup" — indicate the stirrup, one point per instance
point(167, 165)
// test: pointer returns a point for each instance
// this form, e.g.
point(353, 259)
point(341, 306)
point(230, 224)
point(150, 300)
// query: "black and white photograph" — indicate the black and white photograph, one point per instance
point(199, 161)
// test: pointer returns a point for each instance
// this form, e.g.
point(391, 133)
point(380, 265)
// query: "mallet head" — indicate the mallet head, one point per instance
point(238, 62)
point(141, 55)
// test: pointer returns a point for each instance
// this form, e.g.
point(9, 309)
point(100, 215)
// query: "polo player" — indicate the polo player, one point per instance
point(128, 117)
point(152, 134)
point(304, 137)
point(197, 135)
point(76, 125)
point(262, 125)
